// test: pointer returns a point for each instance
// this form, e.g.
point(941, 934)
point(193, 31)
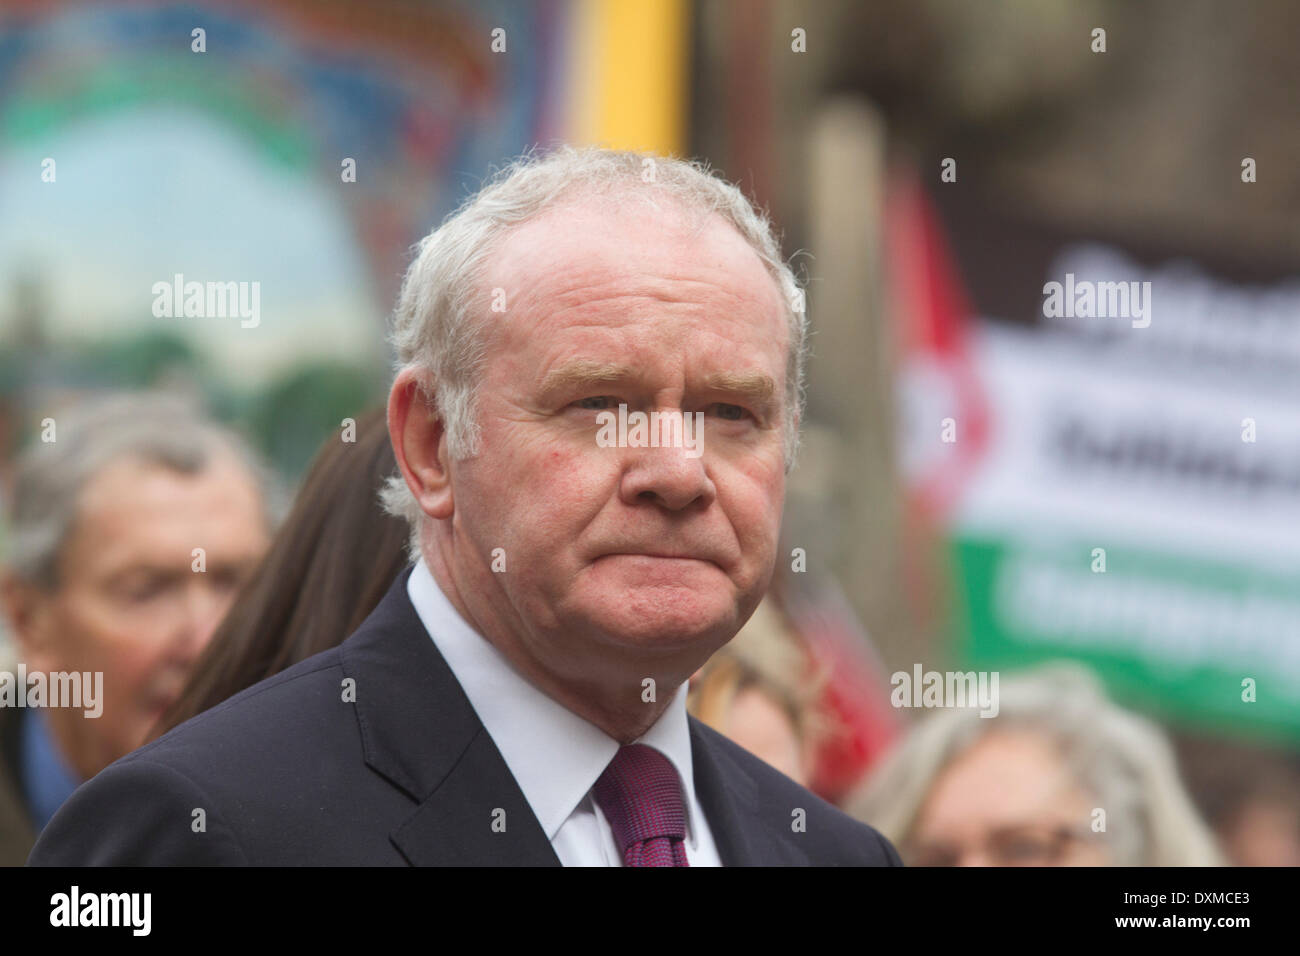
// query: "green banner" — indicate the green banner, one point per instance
point(1208, 646)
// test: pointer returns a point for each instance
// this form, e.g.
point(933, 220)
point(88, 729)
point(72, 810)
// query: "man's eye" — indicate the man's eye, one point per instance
point(142, 590)
point(595, 402)
point(227, 579)
point(733, 413)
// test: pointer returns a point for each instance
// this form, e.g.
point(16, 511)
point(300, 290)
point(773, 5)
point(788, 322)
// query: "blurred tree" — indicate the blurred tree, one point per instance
point(291, 418)
point(152, 358)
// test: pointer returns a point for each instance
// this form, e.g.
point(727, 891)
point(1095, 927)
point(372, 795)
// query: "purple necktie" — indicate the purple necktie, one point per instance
point(641, 798)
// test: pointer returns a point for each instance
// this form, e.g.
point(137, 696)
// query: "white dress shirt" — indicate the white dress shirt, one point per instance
point(554, 755)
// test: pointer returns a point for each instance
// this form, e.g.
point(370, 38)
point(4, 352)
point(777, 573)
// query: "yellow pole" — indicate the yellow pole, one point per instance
point(628, 81)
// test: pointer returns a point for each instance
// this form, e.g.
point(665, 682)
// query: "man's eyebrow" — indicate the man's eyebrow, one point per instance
point(146, 569)
point(582, 373)
point(754, 386)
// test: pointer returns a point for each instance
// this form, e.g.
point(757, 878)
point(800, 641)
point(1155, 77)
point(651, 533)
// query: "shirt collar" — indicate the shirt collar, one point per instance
point(554, 755)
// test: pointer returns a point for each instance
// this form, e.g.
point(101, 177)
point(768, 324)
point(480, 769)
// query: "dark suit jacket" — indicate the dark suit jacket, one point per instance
point(289, 773)
point(17, 833)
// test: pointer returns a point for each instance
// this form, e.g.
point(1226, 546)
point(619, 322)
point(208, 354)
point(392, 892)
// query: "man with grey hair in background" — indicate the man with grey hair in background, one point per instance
point(132, 522)
point(519, 696)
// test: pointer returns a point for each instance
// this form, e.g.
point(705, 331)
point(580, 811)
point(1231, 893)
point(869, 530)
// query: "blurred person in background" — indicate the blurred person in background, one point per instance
point(333, 558)
point(1024, 788)
point(758, 690)
point(102, 577)
point(1250, 796)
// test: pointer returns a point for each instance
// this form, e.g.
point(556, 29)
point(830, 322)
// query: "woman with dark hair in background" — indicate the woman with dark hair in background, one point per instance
point(334, 557)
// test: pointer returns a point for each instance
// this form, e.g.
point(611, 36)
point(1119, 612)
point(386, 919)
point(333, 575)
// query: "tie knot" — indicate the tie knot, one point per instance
point(641, 796)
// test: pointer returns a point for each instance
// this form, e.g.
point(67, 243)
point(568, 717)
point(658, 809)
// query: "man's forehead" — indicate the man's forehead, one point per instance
point(567, 277)
point(140, 497)
point(137, 472)
point(608, 239)
point(132, 504)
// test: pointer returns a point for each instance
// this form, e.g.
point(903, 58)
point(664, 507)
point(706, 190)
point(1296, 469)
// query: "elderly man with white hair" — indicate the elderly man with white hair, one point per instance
point(132, 523)
point(519, 695)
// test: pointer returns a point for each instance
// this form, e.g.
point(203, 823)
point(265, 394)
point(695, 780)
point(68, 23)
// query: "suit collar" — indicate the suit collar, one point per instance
point(554, 755)
point(419, 731)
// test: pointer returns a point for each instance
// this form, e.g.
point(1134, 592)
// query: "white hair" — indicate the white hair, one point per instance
point(157, 428)
point(1120, 759)
point(439, 323)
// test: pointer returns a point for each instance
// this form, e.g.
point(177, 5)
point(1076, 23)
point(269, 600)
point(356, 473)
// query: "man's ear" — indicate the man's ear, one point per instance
point(30, 613)
point(419, 437)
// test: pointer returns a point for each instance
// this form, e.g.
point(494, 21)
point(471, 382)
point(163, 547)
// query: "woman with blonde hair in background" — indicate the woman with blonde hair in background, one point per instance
point(759, 690)
point(1061, 776)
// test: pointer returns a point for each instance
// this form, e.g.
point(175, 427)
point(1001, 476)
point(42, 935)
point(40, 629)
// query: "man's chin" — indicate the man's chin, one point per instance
point(666, 621)
point(654, 603)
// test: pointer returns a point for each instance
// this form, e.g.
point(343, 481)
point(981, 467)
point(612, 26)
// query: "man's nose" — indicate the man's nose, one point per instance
point(204, 608)
point(671, 477)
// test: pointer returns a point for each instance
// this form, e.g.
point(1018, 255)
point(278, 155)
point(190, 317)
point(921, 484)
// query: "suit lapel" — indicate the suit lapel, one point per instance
point(748, 830)
point(729, 797)
point(419, 731)
point(477, 816)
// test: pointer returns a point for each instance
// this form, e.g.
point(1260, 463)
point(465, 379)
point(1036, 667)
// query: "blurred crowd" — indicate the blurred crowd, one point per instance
point(101, 574)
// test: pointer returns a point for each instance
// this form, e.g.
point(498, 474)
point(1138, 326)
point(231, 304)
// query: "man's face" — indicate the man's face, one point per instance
point(632, 548)
point(128, 601)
